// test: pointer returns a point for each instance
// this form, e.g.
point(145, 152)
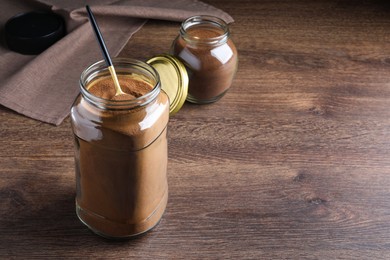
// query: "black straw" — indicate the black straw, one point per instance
point(99, 36)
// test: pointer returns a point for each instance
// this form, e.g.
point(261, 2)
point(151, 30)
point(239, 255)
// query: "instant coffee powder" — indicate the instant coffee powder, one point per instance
point(210, 56)
point(120, 149)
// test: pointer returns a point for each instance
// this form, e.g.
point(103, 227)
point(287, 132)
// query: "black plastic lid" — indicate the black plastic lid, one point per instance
point(33, 32)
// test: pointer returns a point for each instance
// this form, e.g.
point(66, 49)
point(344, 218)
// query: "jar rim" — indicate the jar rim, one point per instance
point(99, 67)
point(208, 20)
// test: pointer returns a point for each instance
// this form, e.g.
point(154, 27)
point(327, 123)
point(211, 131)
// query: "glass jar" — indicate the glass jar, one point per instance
point(121, 153)
point(210, 56)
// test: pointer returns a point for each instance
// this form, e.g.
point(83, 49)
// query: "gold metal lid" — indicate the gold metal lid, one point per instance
point(174, 79)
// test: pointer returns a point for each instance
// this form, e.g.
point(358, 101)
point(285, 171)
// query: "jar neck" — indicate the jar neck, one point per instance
point(204, 29)
point(123, 66)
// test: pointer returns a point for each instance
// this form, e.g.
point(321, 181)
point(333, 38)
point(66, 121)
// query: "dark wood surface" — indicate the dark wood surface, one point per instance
point(293, 163)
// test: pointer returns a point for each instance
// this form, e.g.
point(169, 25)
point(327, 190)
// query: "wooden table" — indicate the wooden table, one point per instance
point(293, 163)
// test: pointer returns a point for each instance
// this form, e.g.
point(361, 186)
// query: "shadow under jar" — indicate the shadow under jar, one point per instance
point(120, 149)
point(210, 56)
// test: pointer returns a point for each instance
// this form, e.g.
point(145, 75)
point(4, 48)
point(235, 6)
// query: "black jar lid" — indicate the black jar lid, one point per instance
point(33, 32)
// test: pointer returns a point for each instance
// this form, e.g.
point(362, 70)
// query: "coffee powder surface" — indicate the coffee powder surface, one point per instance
point(104, 88)
point(204, 32)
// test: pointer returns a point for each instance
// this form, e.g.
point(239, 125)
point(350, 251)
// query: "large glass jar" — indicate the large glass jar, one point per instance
point(210, 56)
point(121, 153)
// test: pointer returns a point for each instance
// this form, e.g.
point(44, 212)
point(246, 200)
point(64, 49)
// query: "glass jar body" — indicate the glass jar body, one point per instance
point(120, 154)
point(210, 56)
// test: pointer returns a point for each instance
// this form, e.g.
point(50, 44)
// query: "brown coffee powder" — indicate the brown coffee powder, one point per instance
point(211, 61)
point(121, 159)
point(104, 88)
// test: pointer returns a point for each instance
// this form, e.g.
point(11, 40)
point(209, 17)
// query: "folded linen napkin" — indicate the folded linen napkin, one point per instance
point(45, 86)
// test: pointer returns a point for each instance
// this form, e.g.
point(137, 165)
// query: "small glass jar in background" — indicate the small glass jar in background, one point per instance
point(121, 153)
point(210, 56)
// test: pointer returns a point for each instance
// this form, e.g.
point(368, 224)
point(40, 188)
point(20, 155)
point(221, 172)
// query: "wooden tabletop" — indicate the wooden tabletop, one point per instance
point(292, 163)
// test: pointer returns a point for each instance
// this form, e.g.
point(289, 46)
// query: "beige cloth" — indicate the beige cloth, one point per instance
point(45, 86)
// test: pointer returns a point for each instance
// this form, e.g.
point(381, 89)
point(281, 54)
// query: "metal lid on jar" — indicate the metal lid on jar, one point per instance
point(174, 79)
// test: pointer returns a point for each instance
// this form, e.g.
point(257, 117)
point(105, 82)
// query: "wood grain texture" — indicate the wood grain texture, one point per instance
point(293, 163)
